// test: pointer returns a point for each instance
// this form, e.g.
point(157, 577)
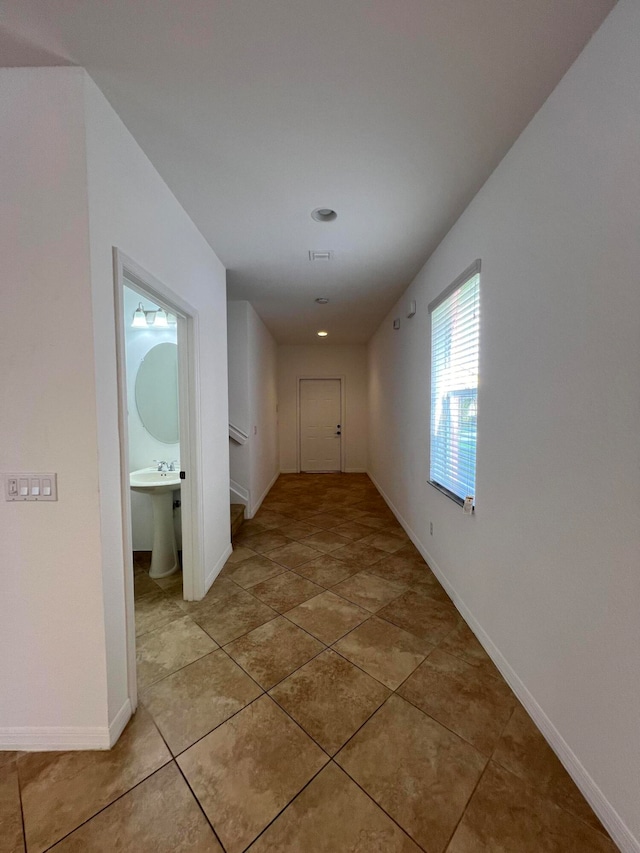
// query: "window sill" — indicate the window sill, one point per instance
point(447, 493)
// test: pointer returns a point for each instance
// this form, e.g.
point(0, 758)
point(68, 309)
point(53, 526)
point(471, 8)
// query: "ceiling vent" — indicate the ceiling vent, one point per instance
point(320, 256)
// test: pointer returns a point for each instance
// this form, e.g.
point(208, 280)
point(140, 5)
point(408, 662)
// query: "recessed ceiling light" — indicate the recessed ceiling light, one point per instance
point(322, 300)
point(324, 214)
point(322, 334)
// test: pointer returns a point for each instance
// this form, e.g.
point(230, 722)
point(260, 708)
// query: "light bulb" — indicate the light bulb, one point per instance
point(139, 320)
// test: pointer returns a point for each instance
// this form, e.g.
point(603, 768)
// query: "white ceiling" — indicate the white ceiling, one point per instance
point(255, 112)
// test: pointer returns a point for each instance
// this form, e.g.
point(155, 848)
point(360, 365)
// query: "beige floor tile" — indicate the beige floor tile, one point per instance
point(233, 617)
point(190, 703)
point(505, 814)
point(332, 815)
point(348, 512)
point(270, 519)
point(421, 774)
point(330, 698)
point(143, 584)
point(327, 616)
point(253, 570)
point(385, 651)
point(326, 541)
point(411, 552)
point(373, 522)
point(404, 569)
point(523, 750)
point(325, 570)
point(285, 591)
point(154, 610)
point(221, 589)
point(473, 705)
point(297, 529)
point(239, 553)
point(158, 816)
point(386, 541)
point(369, 591)
point(294, 554)
point(462, 643)
point(11, 837)
point(248, 769)
point(359, 555)
point(325, 520)
point(249, 528)
point(273, 651)
point(8, 757)
point(421, 615)
point(60, 790)
point(266, 541)
point(353, 530)
point(169, 648)
point(170, 582)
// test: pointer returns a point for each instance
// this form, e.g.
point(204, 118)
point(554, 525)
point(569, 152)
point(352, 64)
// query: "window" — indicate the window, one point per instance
point(455, 324)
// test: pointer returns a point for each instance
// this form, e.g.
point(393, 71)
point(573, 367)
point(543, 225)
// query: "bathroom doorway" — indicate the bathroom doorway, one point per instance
point(159, 444)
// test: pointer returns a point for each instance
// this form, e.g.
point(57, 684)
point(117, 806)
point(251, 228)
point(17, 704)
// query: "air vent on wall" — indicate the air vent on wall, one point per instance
point(320, 256)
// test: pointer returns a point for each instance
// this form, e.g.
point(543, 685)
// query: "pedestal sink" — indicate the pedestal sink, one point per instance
point(160, 486)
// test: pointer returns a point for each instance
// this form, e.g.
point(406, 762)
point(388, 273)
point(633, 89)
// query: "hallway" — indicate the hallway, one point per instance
point(324, 696)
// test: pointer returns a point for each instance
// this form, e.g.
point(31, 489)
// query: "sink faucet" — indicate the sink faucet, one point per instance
point(173, 466)
point(162, 466)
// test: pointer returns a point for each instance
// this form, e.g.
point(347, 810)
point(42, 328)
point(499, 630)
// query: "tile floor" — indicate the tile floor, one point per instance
point(325, 696)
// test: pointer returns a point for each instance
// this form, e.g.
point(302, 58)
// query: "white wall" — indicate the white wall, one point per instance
point(131, 207)
point(318, 361)
point(74, 184)
point(547, 570)
point(252, 403)
point(52, 672)
point(263, 394)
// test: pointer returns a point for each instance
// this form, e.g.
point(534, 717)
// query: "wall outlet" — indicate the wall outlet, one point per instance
point(431, 527)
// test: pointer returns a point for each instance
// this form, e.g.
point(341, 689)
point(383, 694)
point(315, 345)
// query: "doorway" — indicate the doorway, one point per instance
point(157, 393)
point(320, 410)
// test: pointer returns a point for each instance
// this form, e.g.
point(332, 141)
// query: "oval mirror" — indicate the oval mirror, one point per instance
point(157, 392)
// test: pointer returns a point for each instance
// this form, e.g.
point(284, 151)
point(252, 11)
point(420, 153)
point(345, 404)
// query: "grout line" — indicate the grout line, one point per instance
point(193, 794)
point(378, 805)
point(111, 803)
point(295, 797)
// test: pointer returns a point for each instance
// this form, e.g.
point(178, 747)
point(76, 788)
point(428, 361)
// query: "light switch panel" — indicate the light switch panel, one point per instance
point(31, 486)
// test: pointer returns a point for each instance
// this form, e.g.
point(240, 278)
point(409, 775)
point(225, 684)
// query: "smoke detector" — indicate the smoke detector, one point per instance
point(322, 300)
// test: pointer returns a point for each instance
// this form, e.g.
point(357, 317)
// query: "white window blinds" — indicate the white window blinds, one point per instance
point(455, 325)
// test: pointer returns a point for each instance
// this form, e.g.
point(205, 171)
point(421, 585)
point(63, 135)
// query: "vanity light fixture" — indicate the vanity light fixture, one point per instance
point(156, 318)
point(161, 318)
point(322, 334)
point(139, 319)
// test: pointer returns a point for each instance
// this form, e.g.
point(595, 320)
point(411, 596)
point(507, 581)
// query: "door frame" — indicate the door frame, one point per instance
point(190, 440)
point(343, 409)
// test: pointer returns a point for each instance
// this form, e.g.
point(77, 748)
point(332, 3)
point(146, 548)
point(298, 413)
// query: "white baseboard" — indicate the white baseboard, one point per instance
point(288, 470)
point(609, 817)
point(64, 738)
point(119, 722)
point(254, 507)
point(54, 738)
point(355, 470)
point(215, 571)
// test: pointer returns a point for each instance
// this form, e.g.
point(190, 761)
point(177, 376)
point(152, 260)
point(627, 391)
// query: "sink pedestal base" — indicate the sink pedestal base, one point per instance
point(164, 556)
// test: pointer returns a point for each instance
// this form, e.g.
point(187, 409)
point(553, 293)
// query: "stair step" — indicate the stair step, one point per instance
point(237, 518)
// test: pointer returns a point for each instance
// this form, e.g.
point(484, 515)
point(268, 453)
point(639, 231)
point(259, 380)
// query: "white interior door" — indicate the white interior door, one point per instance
point(320, 424)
